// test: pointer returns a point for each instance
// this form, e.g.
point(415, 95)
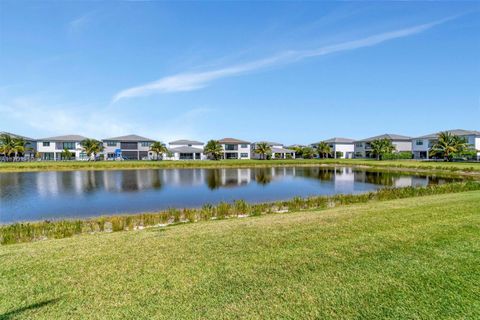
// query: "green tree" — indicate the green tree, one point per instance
point(66, 154)
point(263, 149)
point(448, 145)
point(213, 149)
point(323, 149)
point(10, 146)
point(159, 148)
point(308, 152)
point(381, 147)
point(92, 147)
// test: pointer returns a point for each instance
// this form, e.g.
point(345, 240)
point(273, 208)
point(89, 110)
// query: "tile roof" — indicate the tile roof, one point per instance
point(69, 137)
point(186, 142)
point(130, 137)
point(390, 136)
point(233, 141)
point(457, 132)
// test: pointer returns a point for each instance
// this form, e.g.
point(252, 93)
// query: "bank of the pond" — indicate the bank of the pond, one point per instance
point(396, 259)
point(460, 168)
point(33, 231)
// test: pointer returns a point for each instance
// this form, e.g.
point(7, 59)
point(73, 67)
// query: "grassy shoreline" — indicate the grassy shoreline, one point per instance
point(34, 231)
point(396, 259)
point(470, 168)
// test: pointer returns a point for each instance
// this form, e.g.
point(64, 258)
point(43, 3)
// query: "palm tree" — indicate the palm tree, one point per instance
point(308, 152)
point(66, 154)
point(159, 148)
point(381, 147)
point(448, 145)
point(263, 149)
point(6, 145)
point(12, 146)
point(213, 149)
point(92, 147)
point(323, 149)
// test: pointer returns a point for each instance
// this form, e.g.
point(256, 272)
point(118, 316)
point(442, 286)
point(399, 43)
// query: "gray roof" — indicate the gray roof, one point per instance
point(13, 135)
point(130, 137)
point(186, 142)
point(270, 143)
point(390, 136)
point(457, 132)
point(282, 150)
point(232, 141)
point(69, 137)
point(337, 140)
point(186, 150)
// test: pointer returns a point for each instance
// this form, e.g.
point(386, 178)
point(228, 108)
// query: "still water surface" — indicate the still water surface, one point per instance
point(28, 196)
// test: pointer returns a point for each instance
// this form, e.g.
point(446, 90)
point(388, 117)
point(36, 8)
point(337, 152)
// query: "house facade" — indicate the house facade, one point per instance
point(30, 146)
point(186, 150)
point(52, 148)
point(130, 147)
point(342, 148)
point(235, 148)
point(278, 151)
point(363, 148)
point(422, 145)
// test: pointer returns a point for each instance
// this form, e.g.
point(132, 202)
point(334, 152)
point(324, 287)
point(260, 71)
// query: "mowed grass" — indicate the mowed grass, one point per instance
point(469, 167)
point(401, 259)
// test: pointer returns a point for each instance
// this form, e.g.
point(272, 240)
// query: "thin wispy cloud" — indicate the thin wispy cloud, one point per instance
point(79, 23)
point(196, 80)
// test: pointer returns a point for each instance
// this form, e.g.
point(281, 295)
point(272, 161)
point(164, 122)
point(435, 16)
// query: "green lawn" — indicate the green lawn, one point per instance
point(402, 259)
point(105, 165)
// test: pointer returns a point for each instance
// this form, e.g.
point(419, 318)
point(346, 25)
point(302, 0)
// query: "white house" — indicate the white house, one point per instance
point(342, 148)
point(186, 150)
point(51, 148)
point(130, 147)
point(401, 143)
point(422, 145)
point(235, 149)
point(278, 151)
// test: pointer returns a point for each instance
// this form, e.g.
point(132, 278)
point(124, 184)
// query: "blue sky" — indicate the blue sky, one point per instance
point(294, 72)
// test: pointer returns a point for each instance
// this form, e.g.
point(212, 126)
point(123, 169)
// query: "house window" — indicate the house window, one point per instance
point(359, 145)
point(46, 143)
point(229, 147)
point(111, 156)
point(145, 143)
point(111, 143)
point(244, 146)
point(419, 142)
point(69, 145)
point(243, 155)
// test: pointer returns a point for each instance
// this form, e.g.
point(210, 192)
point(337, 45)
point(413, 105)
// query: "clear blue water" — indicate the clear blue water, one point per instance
point(28, 196)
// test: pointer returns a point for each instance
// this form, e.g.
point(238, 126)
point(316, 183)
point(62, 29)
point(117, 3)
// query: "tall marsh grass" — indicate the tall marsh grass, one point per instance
point(33, 231)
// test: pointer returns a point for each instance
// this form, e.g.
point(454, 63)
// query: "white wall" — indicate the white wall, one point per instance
point(347, 149)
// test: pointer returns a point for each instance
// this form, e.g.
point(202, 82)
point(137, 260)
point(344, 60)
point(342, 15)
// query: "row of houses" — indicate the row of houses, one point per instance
point(418, 146)
point(134, 147)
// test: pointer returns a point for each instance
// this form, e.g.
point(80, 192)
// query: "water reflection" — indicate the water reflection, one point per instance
point(39, 194)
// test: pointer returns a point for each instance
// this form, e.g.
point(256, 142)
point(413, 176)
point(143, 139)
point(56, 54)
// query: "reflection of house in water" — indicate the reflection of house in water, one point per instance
point(53, 183)
point(183, 177)
point(216, 178)
point(132, 180)
point(344, 180)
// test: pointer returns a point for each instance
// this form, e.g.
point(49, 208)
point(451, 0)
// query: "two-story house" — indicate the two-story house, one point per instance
point(342, 148)
point(186, 150)
point(422, 145)
point(363, 148)
point(235, 149)
point(278, 151)
point(52, 148)
point(130, 147)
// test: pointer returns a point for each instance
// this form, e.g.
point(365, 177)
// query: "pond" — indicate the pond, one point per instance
point(27, 196)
